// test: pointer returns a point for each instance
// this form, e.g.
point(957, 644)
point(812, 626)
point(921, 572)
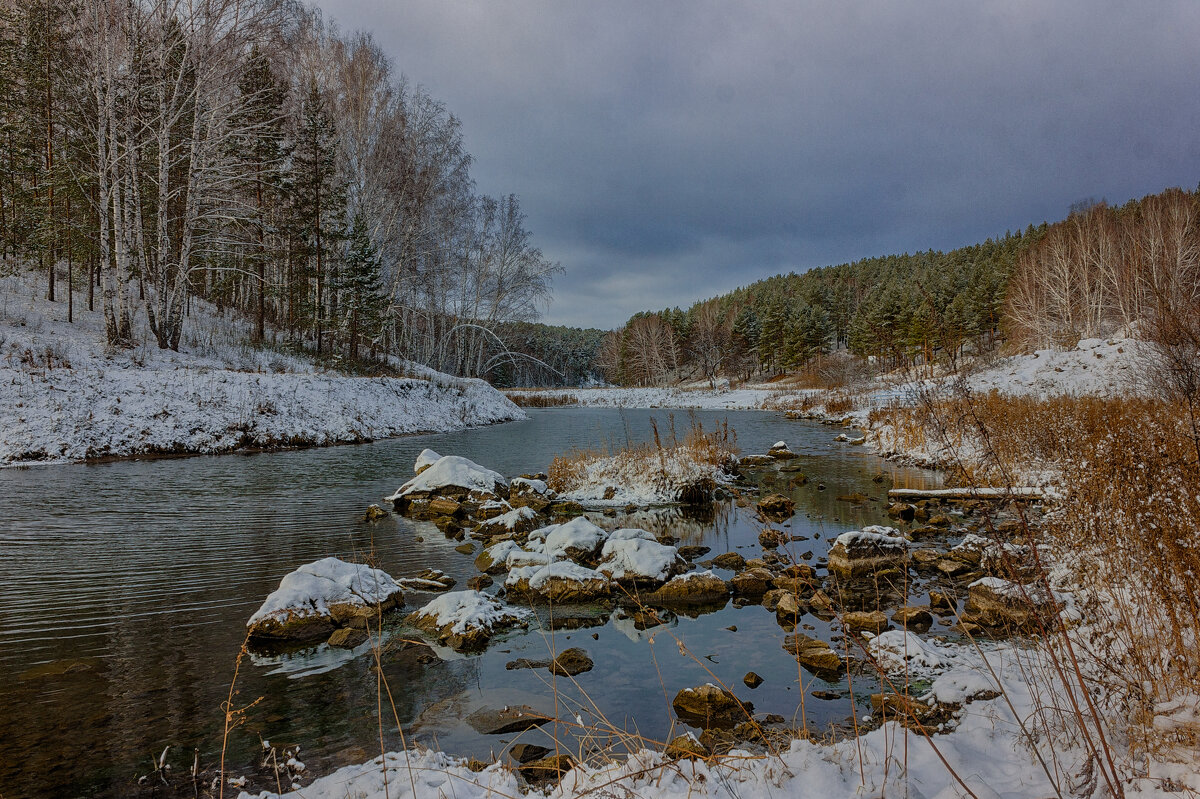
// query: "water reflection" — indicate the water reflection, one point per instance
point(127, 587)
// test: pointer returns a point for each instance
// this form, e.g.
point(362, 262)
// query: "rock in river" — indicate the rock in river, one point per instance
point(319, 597)
point(693, 588)
point(466, 620)
point(814, 654)
point(776, 506)
point(871, 550)
point(710, 706)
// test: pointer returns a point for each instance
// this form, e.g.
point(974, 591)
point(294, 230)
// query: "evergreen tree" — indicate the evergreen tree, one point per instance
point(363, 303)
point(317, 210)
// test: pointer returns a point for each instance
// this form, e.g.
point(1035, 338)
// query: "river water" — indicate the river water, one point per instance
point(125, 587)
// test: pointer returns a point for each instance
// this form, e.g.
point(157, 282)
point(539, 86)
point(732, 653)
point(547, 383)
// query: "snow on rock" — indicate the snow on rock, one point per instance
point(530, 484)
point(636, 559)
point(68, 397)
point(867, 551)
point(452, 472)
point(494, 559)
point(515, 520)
point(560, 582)
point(466, 619)
point(320, 596)
point(575, 540)
point(426, 459)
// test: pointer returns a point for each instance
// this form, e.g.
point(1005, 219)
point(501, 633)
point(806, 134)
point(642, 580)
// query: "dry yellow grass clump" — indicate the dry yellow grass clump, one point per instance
point(671, 469)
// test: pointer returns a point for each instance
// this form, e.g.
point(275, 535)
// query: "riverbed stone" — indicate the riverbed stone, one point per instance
point(571, 662)
point(814, 654)
point(776, 506)
point(527, 753)
point(506, 720)
point(348, 637)
point(547, 769)
point(710, 706)
point(374, 513)
point(913, 618)
point(693, 588)
point(873, 550)
point(872, 621)
point(752, 680)
point(752, 583)
point(730, 560)
point(995, 602)
point(687, 747)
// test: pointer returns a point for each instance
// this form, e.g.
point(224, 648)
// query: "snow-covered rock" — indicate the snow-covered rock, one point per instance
point(466, 620)
point(866, 551)
point(452, 474)
point(638, 560)
point(576, 540)
point(320, 596)
point(424, 460)
point(561, 582)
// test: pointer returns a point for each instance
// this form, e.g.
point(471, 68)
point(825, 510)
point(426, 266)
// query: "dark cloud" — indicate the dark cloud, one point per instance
point(665, 152)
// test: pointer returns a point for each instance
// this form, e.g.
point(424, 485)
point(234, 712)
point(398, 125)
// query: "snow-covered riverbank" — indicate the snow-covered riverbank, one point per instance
point(66, 398)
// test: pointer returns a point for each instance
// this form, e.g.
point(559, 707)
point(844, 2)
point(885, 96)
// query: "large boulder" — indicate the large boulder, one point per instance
point(317, 598)
point(711, 706)
point(868, 551)
point(426, 459)
point(561, 583)
point(578, 540)
point(466, 620)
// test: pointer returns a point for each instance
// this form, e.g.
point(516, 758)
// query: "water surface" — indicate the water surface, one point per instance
point(126, 587)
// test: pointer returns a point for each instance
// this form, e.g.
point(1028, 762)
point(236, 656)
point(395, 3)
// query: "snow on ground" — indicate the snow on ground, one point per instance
point(669, 397)
point(1100, 367)
point(66, 397)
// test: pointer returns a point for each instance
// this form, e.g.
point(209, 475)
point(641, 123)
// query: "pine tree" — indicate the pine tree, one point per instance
point(318, 205)
point(261, 149)
point(363, 303)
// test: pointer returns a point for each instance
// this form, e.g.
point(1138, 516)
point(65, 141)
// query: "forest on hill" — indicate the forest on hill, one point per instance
point(249, 153)
point(1101, 271)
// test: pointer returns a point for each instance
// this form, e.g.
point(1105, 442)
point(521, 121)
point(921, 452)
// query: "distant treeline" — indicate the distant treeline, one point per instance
point(895, 310)
point(1100, 271)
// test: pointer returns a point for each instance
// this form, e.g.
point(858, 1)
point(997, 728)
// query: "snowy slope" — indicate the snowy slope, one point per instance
point(65, 397)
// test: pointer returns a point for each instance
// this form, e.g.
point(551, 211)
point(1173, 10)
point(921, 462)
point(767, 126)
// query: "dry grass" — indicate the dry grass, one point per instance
point(659, 462)
point(1125, 529)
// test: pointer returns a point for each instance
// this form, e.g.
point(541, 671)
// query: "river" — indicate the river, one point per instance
point(126, 587)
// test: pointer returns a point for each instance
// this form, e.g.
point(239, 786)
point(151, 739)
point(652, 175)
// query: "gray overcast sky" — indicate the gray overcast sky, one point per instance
point(665, 152)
